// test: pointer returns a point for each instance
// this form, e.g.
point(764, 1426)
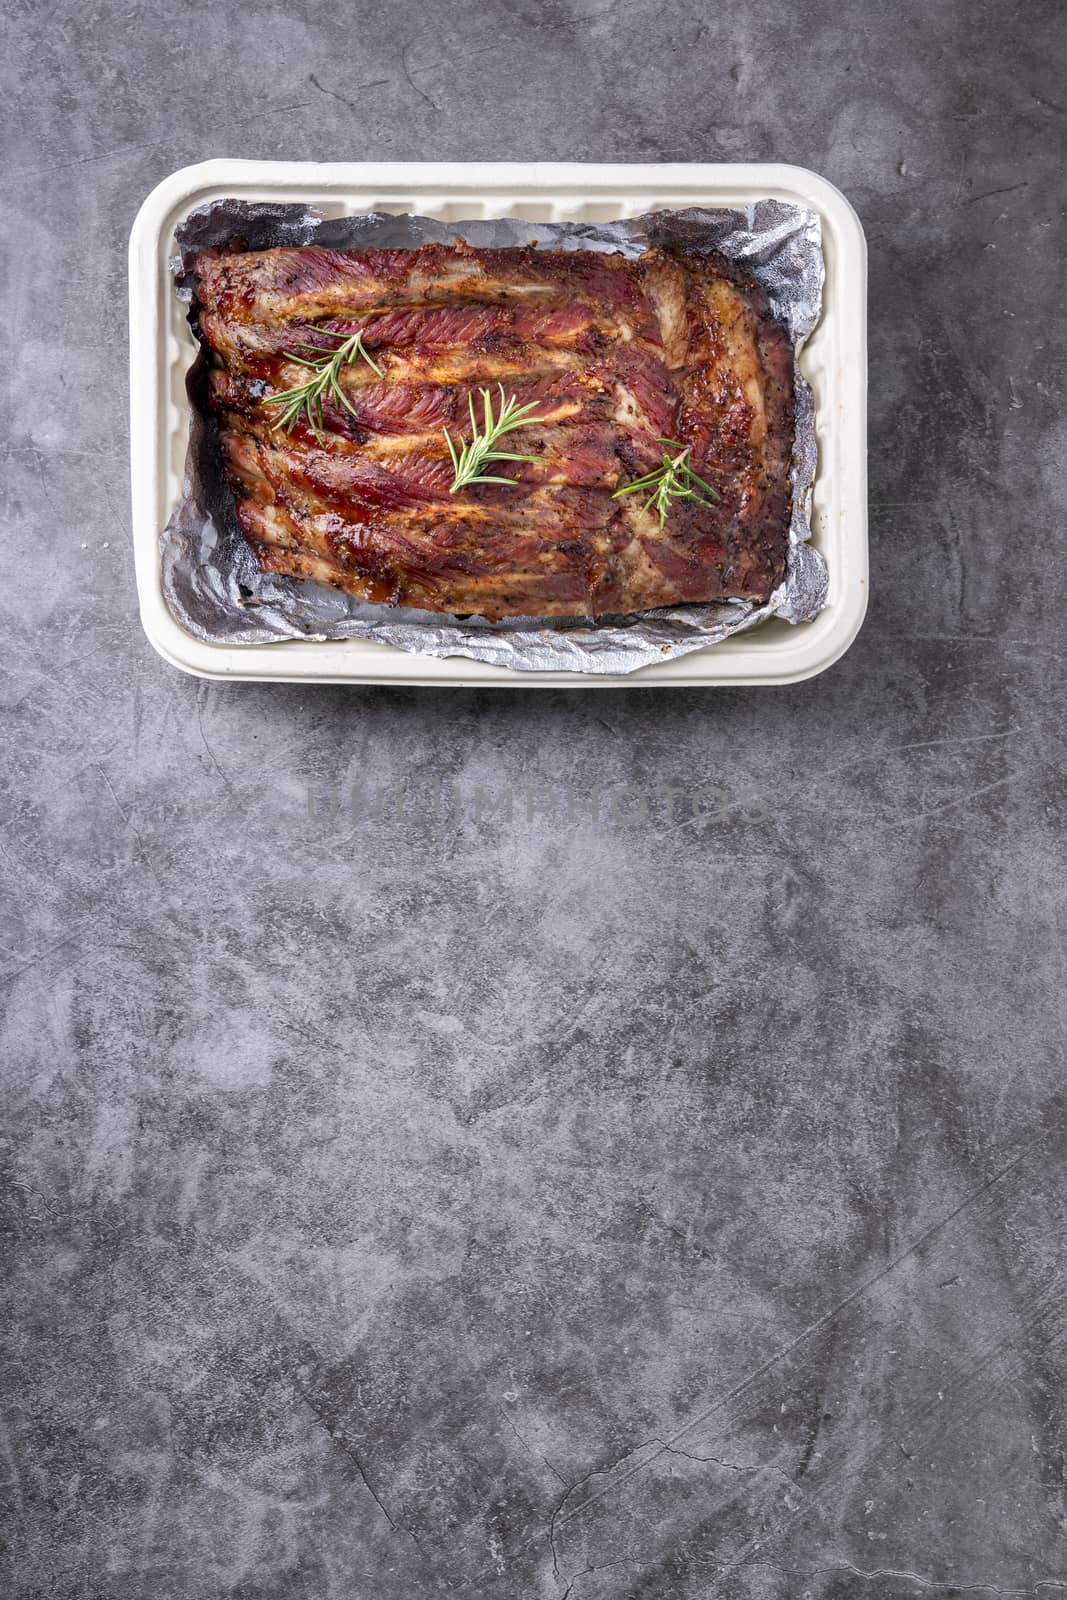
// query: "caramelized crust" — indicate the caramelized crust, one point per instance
point(614, 353)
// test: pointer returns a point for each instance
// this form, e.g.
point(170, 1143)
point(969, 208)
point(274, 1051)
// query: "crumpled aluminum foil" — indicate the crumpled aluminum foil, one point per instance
point(212, 581)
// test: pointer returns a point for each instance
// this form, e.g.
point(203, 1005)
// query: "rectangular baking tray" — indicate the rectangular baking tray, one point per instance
point(834, 361)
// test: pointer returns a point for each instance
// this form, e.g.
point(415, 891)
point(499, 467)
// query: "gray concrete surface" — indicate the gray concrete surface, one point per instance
point(413, 1202)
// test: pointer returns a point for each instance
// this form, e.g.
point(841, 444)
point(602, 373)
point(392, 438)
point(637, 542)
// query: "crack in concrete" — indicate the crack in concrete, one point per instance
point(748, 1467)
point(931, 1585)
point(568, 1491)
point(346, 1449)
point(533, 1454)
point(820, 1323)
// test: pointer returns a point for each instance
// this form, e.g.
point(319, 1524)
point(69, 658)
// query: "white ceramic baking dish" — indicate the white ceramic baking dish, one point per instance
point(834, 361)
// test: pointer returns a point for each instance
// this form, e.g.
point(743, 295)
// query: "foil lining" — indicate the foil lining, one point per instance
point(212, 582)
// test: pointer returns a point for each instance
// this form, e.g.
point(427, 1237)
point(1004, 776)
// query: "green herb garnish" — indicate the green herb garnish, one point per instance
point(674, 480)
point(469, 459)
point(306, 398)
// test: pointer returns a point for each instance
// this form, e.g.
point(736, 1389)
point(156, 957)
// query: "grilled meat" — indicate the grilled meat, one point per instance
point(615, 354)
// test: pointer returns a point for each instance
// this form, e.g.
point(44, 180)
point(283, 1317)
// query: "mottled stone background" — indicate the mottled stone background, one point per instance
point(419, 1201)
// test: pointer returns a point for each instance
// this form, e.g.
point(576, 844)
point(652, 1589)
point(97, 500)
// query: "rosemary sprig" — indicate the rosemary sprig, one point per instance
point(469, 459)
point(306, 399)
point(673, 480)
